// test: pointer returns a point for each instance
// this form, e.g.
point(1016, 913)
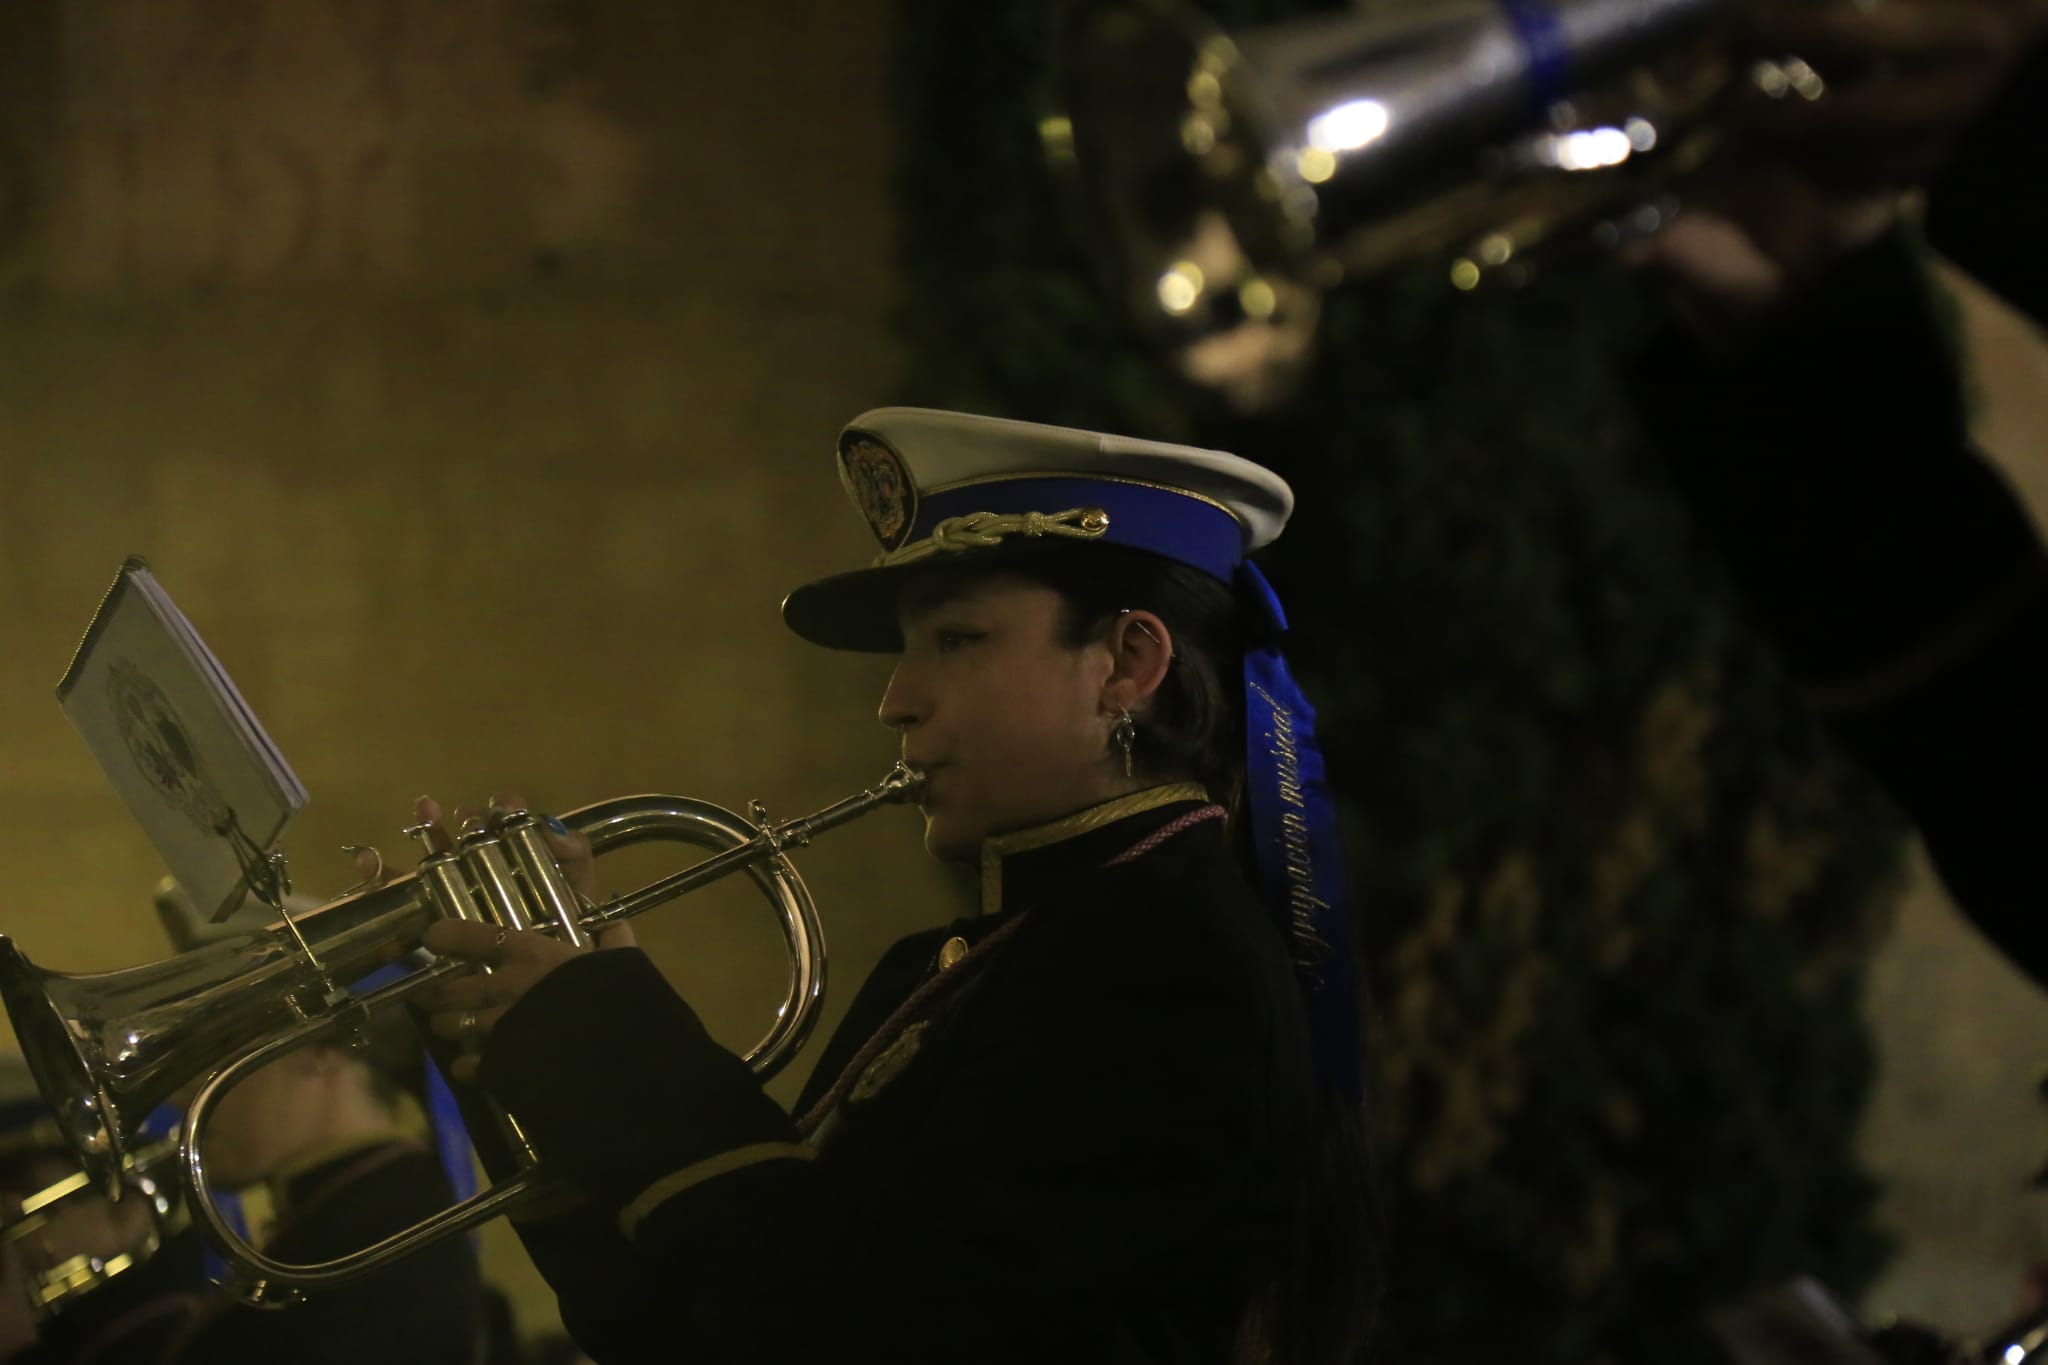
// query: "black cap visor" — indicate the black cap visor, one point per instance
point(855, 610)
point(858, 610)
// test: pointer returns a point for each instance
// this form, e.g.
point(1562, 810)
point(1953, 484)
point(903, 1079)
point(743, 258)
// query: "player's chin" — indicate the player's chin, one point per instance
point(950, 838)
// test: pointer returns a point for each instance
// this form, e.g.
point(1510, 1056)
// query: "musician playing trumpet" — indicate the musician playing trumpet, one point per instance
point(1114, 1115)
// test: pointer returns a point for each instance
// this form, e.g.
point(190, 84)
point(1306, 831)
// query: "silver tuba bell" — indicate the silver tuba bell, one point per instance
point(1232, 179)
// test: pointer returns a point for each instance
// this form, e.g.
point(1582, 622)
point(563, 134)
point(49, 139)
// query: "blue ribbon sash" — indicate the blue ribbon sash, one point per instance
point(1298, 848)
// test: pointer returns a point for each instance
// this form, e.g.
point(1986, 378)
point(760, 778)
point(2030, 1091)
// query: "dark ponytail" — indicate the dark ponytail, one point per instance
point(1322, 1300)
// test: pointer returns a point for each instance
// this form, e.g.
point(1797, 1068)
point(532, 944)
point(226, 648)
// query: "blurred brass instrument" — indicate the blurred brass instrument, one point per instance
point(2023, 1341)
point(107, 1048)
point(149, 1175)
point(1800, 1323)
point(1234, 178)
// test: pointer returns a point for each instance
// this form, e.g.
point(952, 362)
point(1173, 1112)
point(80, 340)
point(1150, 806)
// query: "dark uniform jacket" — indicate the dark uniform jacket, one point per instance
point(1900, 578)
point(423, 1310)
point(1084, 1147)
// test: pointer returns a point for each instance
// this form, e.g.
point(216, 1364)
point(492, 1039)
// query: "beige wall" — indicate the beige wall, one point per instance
point(470, 372)
point(1956, 1128)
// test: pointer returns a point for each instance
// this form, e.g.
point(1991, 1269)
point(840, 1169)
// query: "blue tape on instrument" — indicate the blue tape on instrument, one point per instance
point(451, 1136)
point(212, 1264)
point(161, 1122)
point(1547, 46)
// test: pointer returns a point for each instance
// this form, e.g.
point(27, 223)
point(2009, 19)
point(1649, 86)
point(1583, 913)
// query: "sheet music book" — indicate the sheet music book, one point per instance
point(180, 744)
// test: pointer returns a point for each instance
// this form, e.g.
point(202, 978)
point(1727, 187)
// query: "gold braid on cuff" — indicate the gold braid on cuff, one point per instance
point(979, 530)
point(723, 1163)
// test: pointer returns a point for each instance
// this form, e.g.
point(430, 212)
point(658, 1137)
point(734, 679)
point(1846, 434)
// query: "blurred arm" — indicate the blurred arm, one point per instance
point(1826, 459)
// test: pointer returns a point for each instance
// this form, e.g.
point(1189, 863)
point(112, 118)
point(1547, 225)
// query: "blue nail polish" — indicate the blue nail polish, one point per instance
point(557, 826)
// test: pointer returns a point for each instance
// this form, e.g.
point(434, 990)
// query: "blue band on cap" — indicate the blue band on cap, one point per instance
point(1198, 533)
point(1547, 46)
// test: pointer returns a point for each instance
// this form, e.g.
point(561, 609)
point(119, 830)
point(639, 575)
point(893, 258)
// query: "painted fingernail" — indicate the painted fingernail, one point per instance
point(557, 826)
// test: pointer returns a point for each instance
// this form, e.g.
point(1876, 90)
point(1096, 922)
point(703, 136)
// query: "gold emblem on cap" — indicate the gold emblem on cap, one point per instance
point(950, 953)
point(881, 485)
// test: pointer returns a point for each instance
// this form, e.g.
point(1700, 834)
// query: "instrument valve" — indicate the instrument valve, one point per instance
point(262, 1294)
point(777, 838)
point(780, 838)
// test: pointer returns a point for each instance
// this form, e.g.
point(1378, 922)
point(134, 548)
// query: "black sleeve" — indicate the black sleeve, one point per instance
point(1828, 463)
point(1899, 578)
point(1987, 211)
point(1076, 1147)
point(602, 1284)
point(577, 1248)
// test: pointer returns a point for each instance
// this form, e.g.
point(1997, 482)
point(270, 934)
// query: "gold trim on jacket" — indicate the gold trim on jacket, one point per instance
point(997, 847)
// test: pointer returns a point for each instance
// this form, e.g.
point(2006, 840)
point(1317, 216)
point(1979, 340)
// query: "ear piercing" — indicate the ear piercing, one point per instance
point(1174, 656)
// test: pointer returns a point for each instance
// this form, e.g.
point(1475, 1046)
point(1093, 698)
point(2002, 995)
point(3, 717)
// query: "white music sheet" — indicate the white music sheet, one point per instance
point(179, 743)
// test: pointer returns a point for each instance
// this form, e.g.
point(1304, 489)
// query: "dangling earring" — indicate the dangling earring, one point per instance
point(1123, 731)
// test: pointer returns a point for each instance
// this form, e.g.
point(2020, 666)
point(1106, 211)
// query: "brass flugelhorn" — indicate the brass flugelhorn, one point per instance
point(1230, 179)
point(107, 1048)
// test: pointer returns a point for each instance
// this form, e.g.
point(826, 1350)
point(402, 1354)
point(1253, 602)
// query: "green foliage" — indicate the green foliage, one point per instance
point(1612, 882)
